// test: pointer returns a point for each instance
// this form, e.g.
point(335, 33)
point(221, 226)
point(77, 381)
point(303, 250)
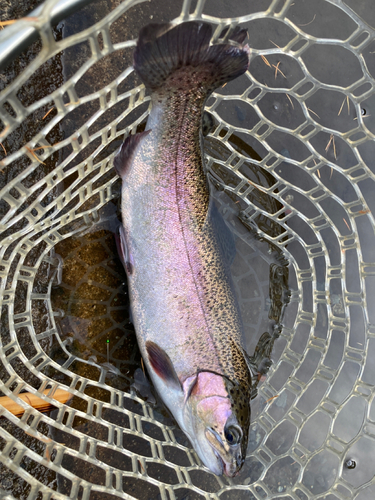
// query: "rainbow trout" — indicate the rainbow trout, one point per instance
point(183, 303)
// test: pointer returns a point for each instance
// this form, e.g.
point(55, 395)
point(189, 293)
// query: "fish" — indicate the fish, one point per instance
point(184, 307)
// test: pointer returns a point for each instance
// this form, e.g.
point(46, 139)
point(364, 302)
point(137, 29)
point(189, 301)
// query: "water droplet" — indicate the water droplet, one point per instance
point(363, 111)
point(350, 464)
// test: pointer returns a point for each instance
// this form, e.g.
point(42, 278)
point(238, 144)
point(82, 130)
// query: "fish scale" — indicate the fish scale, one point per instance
point(183, 302)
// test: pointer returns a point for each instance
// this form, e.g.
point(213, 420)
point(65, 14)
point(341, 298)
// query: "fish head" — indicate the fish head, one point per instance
point(212, 410)
point(217, 422)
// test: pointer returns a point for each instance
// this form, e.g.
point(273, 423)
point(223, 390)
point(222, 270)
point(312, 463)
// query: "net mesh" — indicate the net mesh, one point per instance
point(295, 129)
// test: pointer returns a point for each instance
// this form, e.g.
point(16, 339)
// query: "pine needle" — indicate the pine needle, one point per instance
point(48, 112)
point(273, 397)
point(31, 151)
point(4, 131)
point(329, 142)
point(314, 112)
point(265, 60)
point(275, 44)
point(332, 139)
point(290, 100)
point(142, 468)
point(342, 105)
point(2, 145)
point(313, 19)
point(277, 69)
point(41, 147)
point(334, 148)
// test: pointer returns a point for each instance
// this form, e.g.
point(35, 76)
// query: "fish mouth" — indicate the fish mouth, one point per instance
point(225, 469)
point(224, 466)
point(221, 462)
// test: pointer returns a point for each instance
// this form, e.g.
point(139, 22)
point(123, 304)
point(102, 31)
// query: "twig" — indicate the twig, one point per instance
point(12, 21)
point(2, 145)
point(34, 401)
point(318, 173)
point(7, 23)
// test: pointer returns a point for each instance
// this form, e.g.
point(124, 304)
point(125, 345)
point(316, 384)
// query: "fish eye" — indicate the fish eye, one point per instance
point(233, 435)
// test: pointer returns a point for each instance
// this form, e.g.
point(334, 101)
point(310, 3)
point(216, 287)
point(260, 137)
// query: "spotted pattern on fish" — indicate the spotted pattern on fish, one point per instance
point(183, 300)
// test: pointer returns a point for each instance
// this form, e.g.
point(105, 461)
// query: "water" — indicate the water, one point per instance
point(91, 303)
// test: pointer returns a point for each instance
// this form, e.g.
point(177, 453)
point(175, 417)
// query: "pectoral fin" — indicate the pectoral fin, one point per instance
point(126, 152)
point(162, 364)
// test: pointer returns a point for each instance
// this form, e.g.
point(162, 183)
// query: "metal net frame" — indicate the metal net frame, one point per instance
point(321, 382)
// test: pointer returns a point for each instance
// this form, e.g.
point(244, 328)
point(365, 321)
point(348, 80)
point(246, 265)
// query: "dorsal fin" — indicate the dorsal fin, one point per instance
point(126, 152)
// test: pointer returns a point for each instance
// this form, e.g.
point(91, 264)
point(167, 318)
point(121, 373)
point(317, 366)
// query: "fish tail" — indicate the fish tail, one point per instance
point(165, 55)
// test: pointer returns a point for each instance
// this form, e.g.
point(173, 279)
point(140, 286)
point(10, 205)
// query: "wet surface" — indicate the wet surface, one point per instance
point(92, 306)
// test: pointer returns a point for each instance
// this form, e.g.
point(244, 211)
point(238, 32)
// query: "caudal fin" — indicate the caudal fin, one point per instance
point(164, 50)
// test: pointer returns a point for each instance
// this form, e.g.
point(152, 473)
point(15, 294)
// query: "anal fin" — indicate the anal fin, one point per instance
point(123, 251)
